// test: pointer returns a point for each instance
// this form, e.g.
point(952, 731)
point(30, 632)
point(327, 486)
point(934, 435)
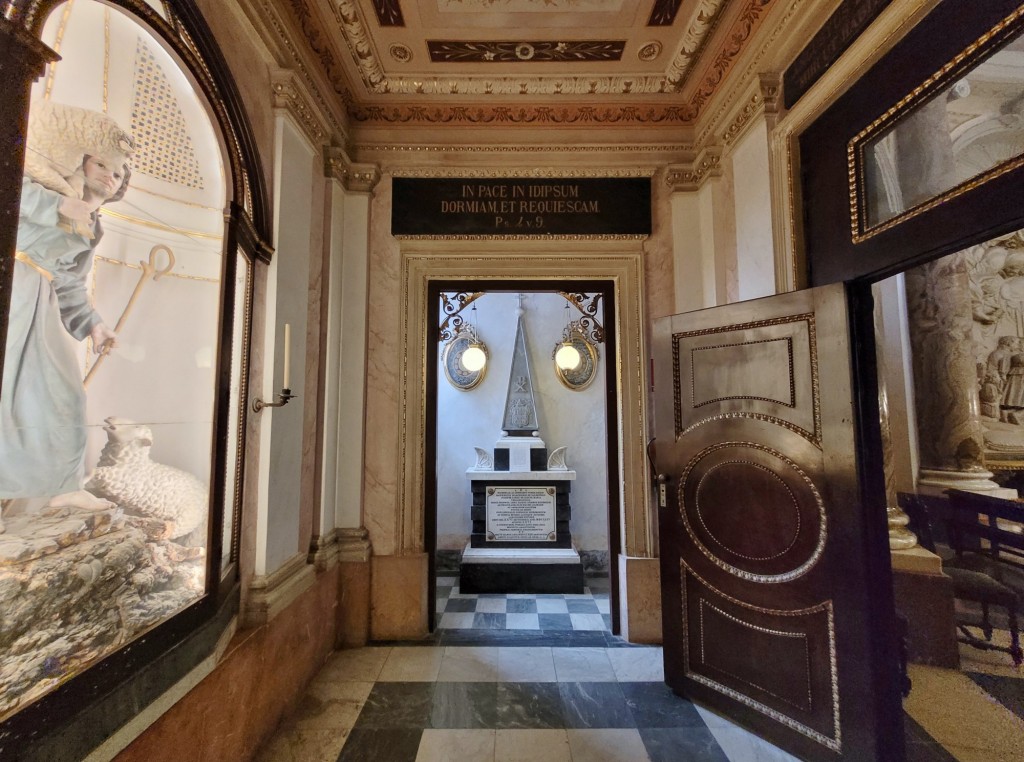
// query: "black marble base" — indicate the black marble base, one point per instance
point(478, 578)
point(478, 514)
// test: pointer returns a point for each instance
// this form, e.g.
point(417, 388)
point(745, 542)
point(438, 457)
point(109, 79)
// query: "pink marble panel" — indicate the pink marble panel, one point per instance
point(659, 275)
point(261, 679)
point(383, 373)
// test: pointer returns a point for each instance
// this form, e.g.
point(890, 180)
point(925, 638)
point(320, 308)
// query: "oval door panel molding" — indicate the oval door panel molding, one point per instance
point(727, 493)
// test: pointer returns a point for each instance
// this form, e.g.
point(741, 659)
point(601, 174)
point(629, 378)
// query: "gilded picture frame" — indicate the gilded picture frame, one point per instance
point(944, 82)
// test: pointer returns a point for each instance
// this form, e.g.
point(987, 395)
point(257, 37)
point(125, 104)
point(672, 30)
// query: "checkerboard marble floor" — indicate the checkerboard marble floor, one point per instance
point(504, 704)
point(515, 703)
point(589, 611)
point(499, 681)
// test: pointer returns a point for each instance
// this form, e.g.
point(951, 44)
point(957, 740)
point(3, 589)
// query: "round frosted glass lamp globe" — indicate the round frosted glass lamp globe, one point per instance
point(473, 359)
point(567, 357)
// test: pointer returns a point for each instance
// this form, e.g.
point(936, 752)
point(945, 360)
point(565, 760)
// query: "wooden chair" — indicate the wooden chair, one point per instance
point(968, 562)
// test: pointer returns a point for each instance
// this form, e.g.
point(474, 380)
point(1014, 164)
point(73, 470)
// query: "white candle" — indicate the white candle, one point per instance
point(287, 355)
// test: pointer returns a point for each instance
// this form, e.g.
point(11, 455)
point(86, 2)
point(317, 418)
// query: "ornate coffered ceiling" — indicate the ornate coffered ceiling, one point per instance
point(575, 64)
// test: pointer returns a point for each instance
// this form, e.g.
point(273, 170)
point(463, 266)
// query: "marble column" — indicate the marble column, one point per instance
point(939, 305)
point(950, 435)
point(900, 538)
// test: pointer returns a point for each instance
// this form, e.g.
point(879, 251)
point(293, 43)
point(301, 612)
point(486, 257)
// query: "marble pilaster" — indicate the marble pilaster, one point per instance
point(353, 613)
point(640, 599)
point(900, 538)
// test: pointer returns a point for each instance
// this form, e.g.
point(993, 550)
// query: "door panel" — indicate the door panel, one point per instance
point(765, 558)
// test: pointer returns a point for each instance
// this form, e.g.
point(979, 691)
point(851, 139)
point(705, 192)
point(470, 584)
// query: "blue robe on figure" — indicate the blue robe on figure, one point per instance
point(42, 400)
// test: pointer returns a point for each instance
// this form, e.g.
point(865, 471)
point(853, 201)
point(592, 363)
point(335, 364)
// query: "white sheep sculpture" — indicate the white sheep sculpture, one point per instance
point(126, 475)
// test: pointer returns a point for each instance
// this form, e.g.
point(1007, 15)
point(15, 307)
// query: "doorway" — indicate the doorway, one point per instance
point(578, 413)
point(583, 264)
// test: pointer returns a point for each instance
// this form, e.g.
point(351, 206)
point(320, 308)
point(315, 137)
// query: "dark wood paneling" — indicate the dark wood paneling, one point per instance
point(835, 36)
point(990, 210)
point(832, 588)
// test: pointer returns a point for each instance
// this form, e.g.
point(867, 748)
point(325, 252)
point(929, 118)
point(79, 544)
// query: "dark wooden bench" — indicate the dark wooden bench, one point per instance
point(984, 560)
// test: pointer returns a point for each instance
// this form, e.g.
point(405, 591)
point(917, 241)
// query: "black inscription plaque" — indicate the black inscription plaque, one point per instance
point(486, 206)
point(843, 27)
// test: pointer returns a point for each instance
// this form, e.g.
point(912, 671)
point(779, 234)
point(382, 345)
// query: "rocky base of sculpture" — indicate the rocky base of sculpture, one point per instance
point(76, 584)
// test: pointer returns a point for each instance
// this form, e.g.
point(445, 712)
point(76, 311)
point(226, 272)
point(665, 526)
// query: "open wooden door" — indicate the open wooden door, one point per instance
point(777, 609)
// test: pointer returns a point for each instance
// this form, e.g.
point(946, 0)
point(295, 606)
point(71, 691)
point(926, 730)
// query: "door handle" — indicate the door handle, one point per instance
point(662, 480)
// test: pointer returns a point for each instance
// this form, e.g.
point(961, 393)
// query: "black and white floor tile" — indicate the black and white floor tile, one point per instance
point(589, 611)
point(556, 691)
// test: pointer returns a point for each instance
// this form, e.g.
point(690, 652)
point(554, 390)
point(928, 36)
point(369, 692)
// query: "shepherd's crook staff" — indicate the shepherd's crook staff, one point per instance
point(149, 269)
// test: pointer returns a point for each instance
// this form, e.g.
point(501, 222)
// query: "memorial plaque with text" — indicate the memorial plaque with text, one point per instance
point(520, 514)
point(501, 206)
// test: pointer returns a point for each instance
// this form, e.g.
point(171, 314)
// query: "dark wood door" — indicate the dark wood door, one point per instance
point(769, 570)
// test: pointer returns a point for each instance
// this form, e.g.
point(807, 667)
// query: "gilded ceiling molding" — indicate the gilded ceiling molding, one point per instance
point(513, 115)
point(290, 94)
point(517, 237)
point(712, 123)
point(553, 149)
point(545, 172)
point(742, 29)
point(275, 35)
point(376, 80)
point(702, 26)
point(358, 39)
point(764, 100)
point(358, 178)
point(689, 178)
point(703, 22)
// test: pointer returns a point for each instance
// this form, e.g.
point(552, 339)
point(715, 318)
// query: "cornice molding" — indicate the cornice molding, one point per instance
point(701, 26)
point(535, 172)
point(278, 34)
point(757, 65)
point(764, 100)
point(687, 178)
point(567, 114)
point(357, 178)
point(551, 148)
point(290, 93)
point(523, 160)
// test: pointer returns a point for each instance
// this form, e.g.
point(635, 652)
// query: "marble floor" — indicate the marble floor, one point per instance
point(589, 611)
point(552, 693)
point(975, 713)
point(504, 704)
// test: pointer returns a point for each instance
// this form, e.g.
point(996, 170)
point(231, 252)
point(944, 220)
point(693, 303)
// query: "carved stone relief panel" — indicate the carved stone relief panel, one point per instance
point(996, 275)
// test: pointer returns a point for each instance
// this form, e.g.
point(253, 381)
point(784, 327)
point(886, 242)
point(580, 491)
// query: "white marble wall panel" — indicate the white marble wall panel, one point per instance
point(344, 404)
point(281, 451)
point(755, 257)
